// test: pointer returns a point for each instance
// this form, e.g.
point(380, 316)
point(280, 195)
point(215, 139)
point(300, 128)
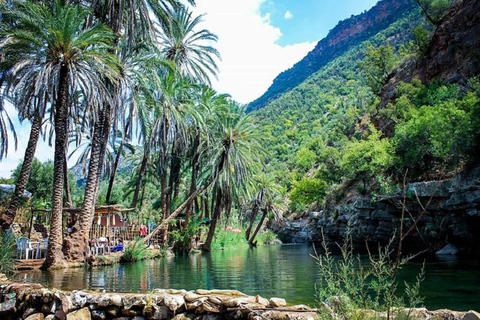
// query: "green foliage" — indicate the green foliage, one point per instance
point(377, 64)
point(440, 130)
point(134, 251)
point(7, 253)
point(267, 237)
point(350, 286)
point(434, 10)
point(225, 240)
point(40, 183)
point(367, 156)
point(183, 239)
point(306, 191)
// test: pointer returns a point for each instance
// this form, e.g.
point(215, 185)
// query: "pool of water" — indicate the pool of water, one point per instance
point(286, 271)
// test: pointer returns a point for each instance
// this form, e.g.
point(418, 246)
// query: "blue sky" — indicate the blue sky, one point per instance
point(309, 20)
point(258, 39)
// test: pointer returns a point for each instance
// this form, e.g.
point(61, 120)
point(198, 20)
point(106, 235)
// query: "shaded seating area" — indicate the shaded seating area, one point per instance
point(27, 249)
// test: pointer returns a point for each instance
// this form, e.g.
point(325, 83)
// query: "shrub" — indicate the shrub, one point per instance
point(134, 251)
point(267, 237)
point(350, 287)
point(228, 240)
point(7, 253)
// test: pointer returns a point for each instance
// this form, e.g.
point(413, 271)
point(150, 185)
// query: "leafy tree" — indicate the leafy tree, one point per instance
point(307, 191)
point(367, 156)
point(434, 10)
point(377, 64)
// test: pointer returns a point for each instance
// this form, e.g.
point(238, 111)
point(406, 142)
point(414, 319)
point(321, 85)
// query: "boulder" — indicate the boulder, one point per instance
point(82, 314)
point(277, 302)
point(36, 316)
point(449, 249)
point(471, 315)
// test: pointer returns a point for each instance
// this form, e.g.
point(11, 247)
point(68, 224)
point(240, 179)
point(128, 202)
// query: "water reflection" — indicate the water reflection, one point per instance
point(284, 271)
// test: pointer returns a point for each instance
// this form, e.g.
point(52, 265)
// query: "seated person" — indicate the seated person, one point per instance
point(119, 246)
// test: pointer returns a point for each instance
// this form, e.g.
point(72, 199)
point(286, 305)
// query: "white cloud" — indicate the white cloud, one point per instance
point(288, 15)
point(251, 58)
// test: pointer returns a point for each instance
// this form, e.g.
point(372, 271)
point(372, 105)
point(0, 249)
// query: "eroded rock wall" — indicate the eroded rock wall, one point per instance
point(448, 212)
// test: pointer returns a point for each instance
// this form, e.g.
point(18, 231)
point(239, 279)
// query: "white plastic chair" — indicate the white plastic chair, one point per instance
point(24, 248)
point(42, 249)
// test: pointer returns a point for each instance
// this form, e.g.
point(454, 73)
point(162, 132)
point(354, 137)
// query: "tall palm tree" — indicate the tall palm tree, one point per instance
point(61, 57)
point(181, 41)
point(134, 19)
point(237, 156)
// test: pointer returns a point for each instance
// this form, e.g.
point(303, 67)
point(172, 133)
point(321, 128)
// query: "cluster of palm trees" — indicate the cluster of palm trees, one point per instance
point(104, 70)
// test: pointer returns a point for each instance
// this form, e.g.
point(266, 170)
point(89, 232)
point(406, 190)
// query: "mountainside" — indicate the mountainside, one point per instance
point(358, 159)
point(347, 34)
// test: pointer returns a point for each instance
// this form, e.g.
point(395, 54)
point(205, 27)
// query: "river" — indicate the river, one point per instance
point(286, 271)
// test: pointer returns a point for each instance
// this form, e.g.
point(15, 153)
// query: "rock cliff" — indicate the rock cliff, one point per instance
point(448, 212)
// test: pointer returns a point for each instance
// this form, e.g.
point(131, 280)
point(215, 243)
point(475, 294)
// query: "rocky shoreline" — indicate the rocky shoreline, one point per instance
point(451, 217)
point(35, 302)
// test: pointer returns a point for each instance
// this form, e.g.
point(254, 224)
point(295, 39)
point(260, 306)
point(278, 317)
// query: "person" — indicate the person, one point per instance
point(119, 246)
point(143, 230)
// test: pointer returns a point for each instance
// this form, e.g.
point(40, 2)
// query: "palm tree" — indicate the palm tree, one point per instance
point(182, 43)
point(266, 198)
point(133, 19)
point(61, 57)
point(237, 156)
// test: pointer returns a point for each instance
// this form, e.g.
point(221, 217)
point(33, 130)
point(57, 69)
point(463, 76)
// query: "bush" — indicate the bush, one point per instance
point(267, 237)
point(228, 240)
point(134, 251)
point(7, 253)
point(350, 288)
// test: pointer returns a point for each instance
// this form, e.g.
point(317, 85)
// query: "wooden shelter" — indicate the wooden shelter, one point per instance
point(109, 221)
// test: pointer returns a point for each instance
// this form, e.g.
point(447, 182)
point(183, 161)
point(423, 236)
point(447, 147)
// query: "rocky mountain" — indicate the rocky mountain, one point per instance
point(447, 209)
point(346, 35)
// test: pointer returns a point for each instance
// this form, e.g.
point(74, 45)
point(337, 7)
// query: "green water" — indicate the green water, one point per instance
point(286, 271)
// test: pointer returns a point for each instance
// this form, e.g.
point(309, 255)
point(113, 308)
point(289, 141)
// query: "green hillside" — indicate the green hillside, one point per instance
point(322, 133)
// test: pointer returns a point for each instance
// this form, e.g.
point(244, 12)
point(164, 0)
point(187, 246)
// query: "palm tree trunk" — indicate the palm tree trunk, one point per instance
point(141, 174)
point(68, 195)
point(76, 245)
point(7, 218)
point(193, 183)
point(207, 207)
point(162, 161)
point(114, 171)
point(55, 255)
point(252, 220)
point(252, 241)
point(228, 209)
point(213, 224)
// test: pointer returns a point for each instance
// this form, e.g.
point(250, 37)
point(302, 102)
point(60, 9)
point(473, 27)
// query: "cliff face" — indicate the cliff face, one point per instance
point(451, 215)
point(345, 35)
point(453, 55)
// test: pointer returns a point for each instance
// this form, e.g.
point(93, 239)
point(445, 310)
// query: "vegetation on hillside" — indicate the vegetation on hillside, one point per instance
point(325, 132)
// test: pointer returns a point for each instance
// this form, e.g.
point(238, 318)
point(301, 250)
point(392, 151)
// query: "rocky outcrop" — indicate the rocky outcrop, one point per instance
point(448, 212)
point(453, 55)
point(32, 301)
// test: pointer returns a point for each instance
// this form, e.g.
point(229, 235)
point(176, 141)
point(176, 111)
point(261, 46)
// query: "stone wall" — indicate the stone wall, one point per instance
point(452, 217)
point(34, 302)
